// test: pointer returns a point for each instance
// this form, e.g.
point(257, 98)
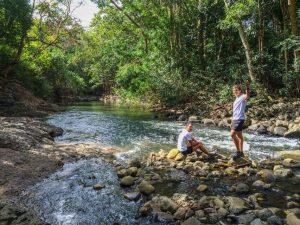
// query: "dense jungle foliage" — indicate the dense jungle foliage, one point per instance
point(161, 51)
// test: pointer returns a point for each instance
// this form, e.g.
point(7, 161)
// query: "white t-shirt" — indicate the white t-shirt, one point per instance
point(239, 107)
point(183, 139)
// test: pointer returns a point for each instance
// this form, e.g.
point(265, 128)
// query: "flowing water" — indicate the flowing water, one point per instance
point(67, 196)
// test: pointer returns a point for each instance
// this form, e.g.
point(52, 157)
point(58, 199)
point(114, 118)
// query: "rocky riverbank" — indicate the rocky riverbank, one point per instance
point(198, 190)
point(29, 154)
point(279, 118)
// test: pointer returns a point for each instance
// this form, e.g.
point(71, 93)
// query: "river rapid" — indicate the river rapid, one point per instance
point(67, 197)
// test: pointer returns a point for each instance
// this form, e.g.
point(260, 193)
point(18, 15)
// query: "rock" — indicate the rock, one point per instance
point(292, 204)
point(293, 154)
point(282, 123)
point(260, 184)
point(165, 204)
point(257, 221)
point(182, 118)
point(242, 188)
point(180, 213)
point(292, 219)
point(180, 157)
point(132, 171)
point(222, 212)
point(135, 163)
point(163, 217)
point(254, 127)
point(133, 196)
point(237, 205)
point(246, 218)
point(283, 173)
point(199, 214)
point(275, 220)
point(122, 173)
point(202, 187)
point(194, 119)
point(264, 214)
point(216, 203)
point(208, 121)
point(294, 132)
point(288, 162)
point(146, 188)
point(127, 181)
point(267, 176)
point(145, 209)
point(191, 221)
point(280, 131)
point(230, 171)
point(262, 130)
point(173, 153)
point(98, 186)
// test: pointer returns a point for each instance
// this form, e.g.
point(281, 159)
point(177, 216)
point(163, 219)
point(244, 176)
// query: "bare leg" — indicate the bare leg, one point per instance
point(200, 146)
point(240, 140)
point(233, 135)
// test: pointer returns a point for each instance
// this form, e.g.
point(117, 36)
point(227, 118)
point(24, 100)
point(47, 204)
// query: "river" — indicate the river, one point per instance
point(67, 198)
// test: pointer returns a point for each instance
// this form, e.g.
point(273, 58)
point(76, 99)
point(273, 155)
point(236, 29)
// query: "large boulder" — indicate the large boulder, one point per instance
point(194, 119)
point(293, 154)
point(283, 173)
point(165, 204)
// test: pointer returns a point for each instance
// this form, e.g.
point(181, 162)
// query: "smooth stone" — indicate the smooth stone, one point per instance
point(199, 214)
point(283, 173)
point(127, 181)
point(267, 176)
point(194, 119)
point(165, 204)
point(202, 187)
point(145, 209)
point(246, 218)
point(135, 163)
point(293, 154)
point(292, 219)
point(163, 217)
point(180, 213)
point(274, 220)
point(237, 205)
point(257, 221)
point(242, 188)
point(280, 131)
point(191, 221)
point(134, 196)
point(133, 171)
point(264, 214)
point(98, 186)
point(146, 188)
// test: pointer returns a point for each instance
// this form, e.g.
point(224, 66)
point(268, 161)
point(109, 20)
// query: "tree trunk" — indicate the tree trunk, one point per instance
point(248, 50)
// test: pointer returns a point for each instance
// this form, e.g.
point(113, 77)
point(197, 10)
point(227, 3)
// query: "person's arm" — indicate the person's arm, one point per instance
point(247, 95)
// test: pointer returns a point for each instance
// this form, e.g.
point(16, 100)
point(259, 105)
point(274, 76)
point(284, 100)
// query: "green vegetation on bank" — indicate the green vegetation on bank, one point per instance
point(160, 51)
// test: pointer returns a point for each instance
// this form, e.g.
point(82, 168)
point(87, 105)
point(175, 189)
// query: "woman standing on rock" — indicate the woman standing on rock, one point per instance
point(238, 118)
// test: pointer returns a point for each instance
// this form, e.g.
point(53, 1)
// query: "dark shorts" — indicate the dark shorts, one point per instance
point(189, 150)
point(237, 125)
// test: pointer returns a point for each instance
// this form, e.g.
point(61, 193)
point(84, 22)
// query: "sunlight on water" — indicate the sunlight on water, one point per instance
point(137, 132)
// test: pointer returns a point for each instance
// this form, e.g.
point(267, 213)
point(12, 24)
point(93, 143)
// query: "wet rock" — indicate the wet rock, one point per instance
point(216, 203)
point(264, 214)
point(191, 221)
point(242, 188)
point(199, 214)
point(254, 127)
point(237, 205)
point(132, 171)
point(230, 171)
point(257, 221)
point(173, 153)
point(122, 173)
point(292, 204)
point(222, 212)
point(292, 219)
point(294, 132)
point(98, 186)
point(135, 163)
point(145, 209)
point(180, 213)
point(133, 196)
point(165, 204)
point(163, 217)
point(260, 184)
point(280, 131)
point(283, 173)
point(246, 218)
point(262, 130)
point(293, 154)
point(274, 220)
point(267, 176)
point(288, 162)
point(208, 121)
point(127, 181)
point(146, 188)
point(194, 119)
point(202, 187)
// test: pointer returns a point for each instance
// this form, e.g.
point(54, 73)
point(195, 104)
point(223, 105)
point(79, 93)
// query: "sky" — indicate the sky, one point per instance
point(85, 12)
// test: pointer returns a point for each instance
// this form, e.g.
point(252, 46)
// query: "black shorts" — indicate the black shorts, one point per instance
point(189, 150)
point(237, 125)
